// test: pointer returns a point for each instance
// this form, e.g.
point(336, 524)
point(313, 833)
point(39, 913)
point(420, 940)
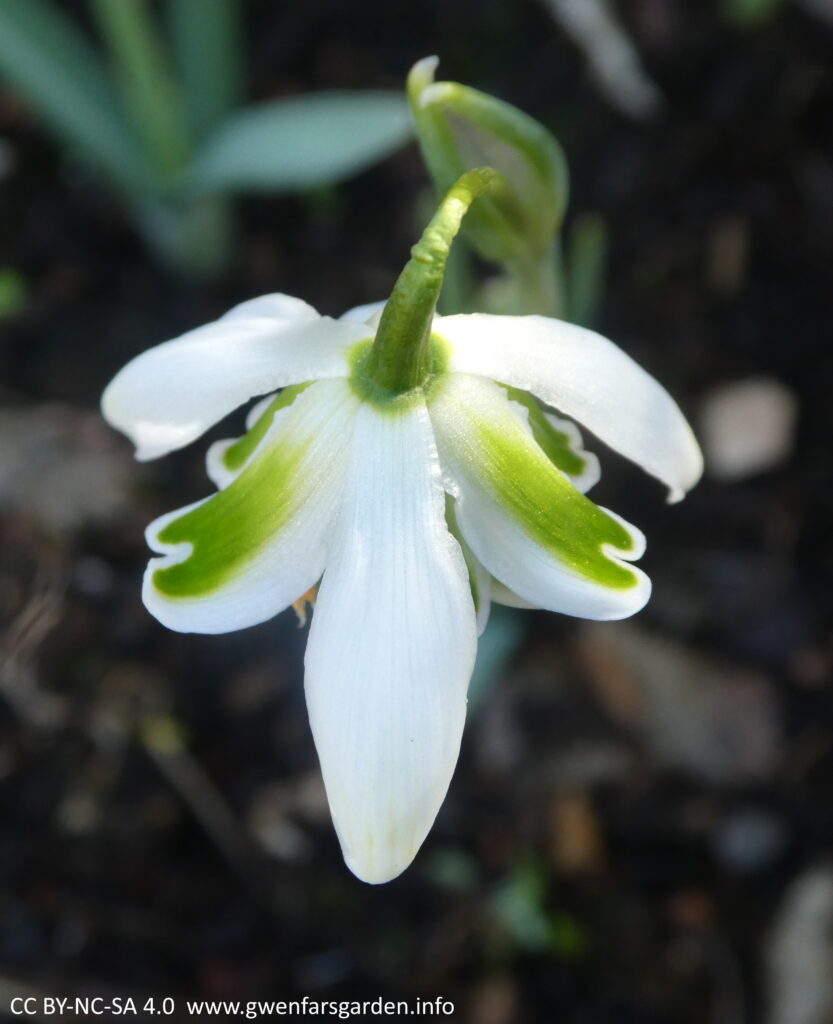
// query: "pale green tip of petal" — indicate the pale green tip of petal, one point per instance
point(421, 75)
point(436, 93)
point(377, 864)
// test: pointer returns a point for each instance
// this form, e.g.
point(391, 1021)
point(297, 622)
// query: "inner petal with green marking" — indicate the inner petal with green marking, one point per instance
point(264, 535)
point(237, 454)
point(228, 530)
point(560, 446)
point(515, 506)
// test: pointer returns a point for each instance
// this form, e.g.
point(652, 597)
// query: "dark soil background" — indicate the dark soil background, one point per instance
point(640, 828)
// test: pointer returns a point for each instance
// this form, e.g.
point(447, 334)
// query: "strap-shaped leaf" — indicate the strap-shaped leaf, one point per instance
point(207, 43)
point(151, 93)
point(302, 142)
point(51, 65)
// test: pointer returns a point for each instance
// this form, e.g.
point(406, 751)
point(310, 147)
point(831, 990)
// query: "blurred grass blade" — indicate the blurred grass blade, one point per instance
point(302, 142)
point(196, 238)
point(13, 292)
point(520, 904)
point(499, 644)
point(751, 13)
point(151, 94)
point(208, 44)
point(47, 60)
point(584, 272)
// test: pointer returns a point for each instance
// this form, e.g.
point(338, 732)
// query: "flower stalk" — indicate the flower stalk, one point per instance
point(459, 128)
point(400, 358)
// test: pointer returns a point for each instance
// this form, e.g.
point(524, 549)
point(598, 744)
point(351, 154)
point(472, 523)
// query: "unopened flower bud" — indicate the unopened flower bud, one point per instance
point(460, 128)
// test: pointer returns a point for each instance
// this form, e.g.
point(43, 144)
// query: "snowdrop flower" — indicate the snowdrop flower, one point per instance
point(406, 466)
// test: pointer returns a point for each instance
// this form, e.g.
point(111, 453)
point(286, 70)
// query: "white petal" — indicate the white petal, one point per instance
point(592, 472)
point(370, 313)
point(258, 409)
point(523, 519)
point(261, 543)
point(166, 397)
point(276, 306)
point(501, 594)
point(391, 648)
point(589, 379)
point(218, 472)
point(226, 459)
point(480, 581)
point(559, 439)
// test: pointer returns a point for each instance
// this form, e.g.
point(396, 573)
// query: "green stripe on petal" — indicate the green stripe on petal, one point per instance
point(521, 516)
point(556, 444)
point(587, 378)
point(252, 549)
point(251, 511)
point(238, 453)
point(548, 508)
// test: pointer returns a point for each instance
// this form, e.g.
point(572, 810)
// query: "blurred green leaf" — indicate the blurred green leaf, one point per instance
point(47, 60)
point(151, 94)
point(569, 939)
point(302, 142)
point(206, 37)
point(518, 903)
point(12, 293)
point(452, 869)
point(197, 238)
point(503, 636)
point(583, 284)
point(749, 13)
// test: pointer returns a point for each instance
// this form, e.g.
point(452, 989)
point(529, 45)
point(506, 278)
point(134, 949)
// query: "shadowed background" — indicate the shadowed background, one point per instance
point(641, 822)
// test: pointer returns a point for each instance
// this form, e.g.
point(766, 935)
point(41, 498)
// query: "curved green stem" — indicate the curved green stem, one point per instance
point(400, 359)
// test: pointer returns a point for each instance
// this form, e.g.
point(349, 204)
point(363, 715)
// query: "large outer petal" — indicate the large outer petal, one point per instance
point(524, 520)
point(275, 306)
point(243, 555)
point(368, 313)
point(391, 648)
point(166, 397)
point(586, 377)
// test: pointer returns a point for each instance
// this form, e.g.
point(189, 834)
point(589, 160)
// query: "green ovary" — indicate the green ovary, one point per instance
point(388, 401)
point(232, 528)
point(548, 507)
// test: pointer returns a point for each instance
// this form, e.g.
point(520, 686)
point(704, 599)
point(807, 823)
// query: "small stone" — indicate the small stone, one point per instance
point(747, 427)
point(750, 840)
